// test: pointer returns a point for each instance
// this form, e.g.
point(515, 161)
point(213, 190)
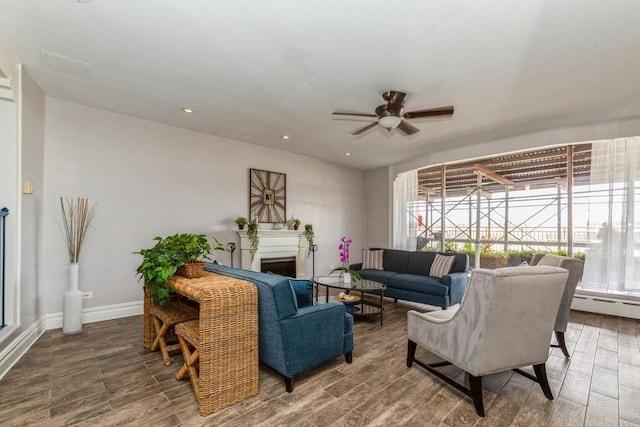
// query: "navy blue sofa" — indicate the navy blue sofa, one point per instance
point(295, 335)
point(406, 274)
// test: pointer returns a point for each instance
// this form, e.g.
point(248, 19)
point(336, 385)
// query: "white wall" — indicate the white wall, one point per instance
point(379, 191)
point(32, 123)
point(150, 179)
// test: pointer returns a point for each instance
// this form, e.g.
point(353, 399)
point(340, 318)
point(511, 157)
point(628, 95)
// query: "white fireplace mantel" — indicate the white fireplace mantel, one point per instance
point(274, 244)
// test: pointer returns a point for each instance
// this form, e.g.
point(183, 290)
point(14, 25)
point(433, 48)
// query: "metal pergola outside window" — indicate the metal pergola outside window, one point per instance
point(521, 201)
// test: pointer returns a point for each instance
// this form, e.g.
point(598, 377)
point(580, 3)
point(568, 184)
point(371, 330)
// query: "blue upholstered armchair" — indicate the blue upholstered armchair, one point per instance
point(294, 334)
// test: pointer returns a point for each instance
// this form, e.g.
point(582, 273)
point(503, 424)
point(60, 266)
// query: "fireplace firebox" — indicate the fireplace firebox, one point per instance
point(280, 265)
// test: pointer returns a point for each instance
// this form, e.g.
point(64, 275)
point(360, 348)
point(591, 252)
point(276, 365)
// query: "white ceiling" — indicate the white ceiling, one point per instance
point(254, 70)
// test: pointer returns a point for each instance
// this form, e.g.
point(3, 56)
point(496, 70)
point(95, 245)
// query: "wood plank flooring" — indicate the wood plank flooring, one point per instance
point(103, 376)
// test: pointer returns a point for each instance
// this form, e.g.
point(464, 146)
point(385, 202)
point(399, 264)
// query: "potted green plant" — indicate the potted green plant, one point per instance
point(190, 251)
point(295, 223)
point(241, 221)
point(254, 239)
point(159, 263)
point(178, 254)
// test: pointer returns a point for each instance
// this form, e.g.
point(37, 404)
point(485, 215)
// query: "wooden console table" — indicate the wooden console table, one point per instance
point(228, 337)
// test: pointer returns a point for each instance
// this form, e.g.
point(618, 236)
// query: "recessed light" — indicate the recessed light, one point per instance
point(187, 110)
point(284, 136)
point(347, 154)
point(82, 1)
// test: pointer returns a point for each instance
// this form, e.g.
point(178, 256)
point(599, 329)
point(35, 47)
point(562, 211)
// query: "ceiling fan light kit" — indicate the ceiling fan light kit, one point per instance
point(389, 122)
point(391, 114)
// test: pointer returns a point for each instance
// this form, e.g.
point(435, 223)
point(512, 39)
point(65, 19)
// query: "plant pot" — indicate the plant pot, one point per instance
point(241, 227)
point(191, 270)
point(346, 278)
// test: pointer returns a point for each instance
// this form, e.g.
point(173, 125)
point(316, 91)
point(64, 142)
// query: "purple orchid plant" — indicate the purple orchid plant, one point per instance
point(345, 255)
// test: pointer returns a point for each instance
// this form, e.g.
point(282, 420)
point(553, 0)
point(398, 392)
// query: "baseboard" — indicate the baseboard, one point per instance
point(98, 314)
point(604, 304)
point(14, 351)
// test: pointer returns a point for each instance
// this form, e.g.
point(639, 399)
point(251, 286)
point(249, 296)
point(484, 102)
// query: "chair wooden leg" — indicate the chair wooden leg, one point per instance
point(186, 353)
point(189, 366)
point(541, 375)
point(288, 383)
point(161, 331)
point(411, 352)
point(562, 344)
point(191, 359)
point(475, 384)
point(348, 357)
point(193, 376)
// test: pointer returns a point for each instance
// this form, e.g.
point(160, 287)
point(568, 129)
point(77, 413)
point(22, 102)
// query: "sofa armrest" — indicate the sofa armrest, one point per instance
point(536, 259)
point(318, 313)
point(356, 267)
point(575, 267)
point(303, 291)
point(313, 335)
point(457, 283)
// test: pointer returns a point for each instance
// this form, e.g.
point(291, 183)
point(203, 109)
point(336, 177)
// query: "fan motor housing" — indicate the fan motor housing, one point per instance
point(381, 111)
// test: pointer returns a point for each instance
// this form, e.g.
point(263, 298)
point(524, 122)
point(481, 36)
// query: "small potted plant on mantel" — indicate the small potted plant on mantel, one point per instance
point(241, 221)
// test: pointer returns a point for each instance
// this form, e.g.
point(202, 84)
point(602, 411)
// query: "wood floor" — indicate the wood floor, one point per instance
point(104, 377)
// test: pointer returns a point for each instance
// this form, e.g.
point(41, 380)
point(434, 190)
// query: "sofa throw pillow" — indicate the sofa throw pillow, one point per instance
point(441, 266)
point(372, 260)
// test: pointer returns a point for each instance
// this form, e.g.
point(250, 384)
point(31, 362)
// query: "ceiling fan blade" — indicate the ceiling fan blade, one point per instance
point(341, 113)
point(407, 128)
point(395, 100)
point(366, 128)
point(430, 112)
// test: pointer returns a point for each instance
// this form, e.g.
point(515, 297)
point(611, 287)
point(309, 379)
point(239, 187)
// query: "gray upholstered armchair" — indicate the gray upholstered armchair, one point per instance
point(575, 267)
point(504, 322)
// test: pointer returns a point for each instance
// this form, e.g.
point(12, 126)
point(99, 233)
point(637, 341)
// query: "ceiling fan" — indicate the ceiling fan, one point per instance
point(391, 114)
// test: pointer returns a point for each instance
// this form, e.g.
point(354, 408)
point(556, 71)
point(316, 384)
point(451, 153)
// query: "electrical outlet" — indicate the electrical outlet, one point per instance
point(87, 295)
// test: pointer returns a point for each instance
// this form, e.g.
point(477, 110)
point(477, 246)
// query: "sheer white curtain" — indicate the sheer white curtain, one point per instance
point(613, 254)
point(405, 194)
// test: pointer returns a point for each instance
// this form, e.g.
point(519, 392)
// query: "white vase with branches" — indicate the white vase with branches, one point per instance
point(77, 215)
